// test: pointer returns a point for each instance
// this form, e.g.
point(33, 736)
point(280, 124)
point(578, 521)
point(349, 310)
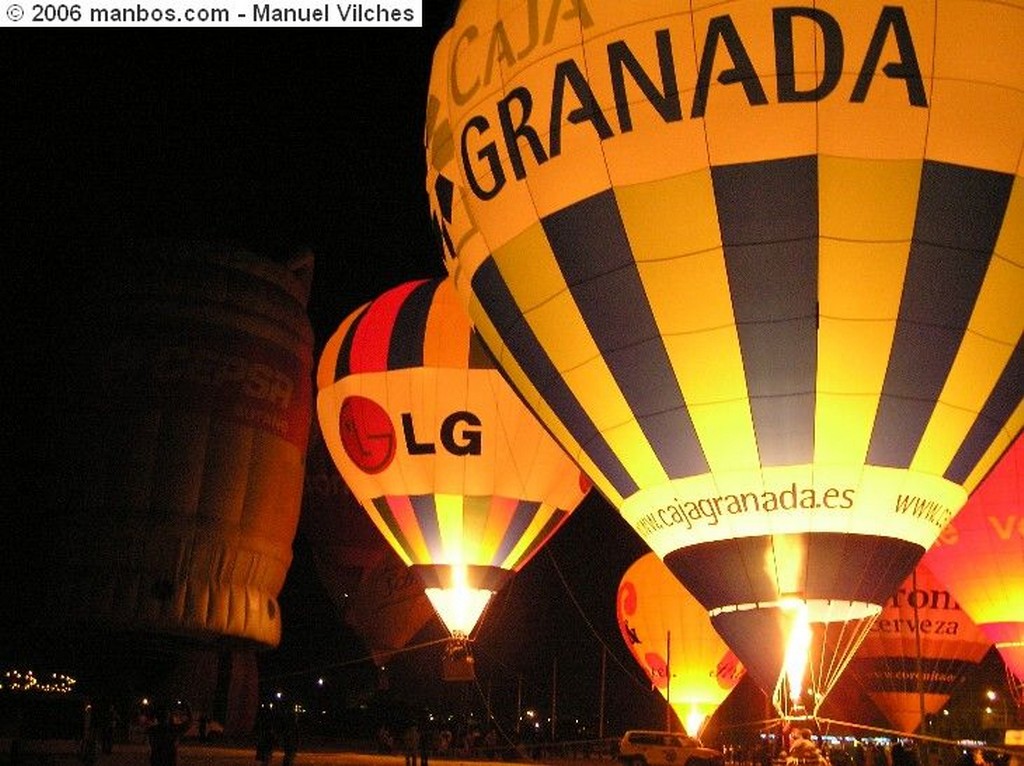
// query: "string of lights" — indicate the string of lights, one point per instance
point(27, 681)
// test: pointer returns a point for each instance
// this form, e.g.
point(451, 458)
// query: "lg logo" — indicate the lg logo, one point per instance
point(455, 437)
point(370, 441)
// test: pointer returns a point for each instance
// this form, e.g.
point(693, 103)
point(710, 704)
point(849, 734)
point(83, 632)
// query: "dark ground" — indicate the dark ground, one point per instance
point(62, 753)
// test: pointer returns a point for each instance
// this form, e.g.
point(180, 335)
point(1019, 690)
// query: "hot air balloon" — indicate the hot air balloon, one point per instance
point(663, 626)
point(371, 588)
point(758, 268)
point(980, 558)
point(918, 651)
point(449, 464)
point(183, 422)
point(186, 436)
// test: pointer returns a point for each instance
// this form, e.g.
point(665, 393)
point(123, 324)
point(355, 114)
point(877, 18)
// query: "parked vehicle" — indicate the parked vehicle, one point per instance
point(665, 748)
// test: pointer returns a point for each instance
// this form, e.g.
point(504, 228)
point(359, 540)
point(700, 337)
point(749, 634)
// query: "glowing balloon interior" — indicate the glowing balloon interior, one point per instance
point(663, 624)
point(454, 471)
point(757, 267)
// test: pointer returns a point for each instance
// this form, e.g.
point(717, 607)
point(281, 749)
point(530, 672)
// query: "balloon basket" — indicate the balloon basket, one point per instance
point(457, 663)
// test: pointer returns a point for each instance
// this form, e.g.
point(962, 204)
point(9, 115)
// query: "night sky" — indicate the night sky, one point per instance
point(274, 141)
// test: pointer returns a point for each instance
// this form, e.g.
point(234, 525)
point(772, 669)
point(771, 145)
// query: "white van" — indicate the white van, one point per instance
point(665, 748)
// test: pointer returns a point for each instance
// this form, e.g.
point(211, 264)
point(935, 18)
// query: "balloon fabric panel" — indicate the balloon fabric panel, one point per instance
point(940, 289)
point(371, 338)
point(437, 517)
point(1001, 406)
point(370, 346)
point(520, 522)
point(337, 347)
point(904, 409)
point(605, 284)
point(493, 529)
point(769, 220)
point(378, 339)
point(395, 519)
point(541, 530)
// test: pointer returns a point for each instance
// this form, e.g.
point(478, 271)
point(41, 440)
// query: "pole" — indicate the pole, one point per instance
point(920, 676)
point(668, 680)
point(600, 715)
point(917, 645)
point(554, 695)
point(519, 705)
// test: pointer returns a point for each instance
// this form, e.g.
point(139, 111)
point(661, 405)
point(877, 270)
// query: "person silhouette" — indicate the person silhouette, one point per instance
point(165, 734)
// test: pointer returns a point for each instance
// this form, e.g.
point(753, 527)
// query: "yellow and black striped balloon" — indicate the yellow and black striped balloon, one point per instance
point(758, 266)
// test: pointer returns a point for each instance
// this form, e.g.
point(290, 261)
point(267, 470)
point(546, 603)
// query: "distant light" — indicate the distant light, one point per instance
point(26, 681)
point(279, 695)
point(320, 682)
point(991, 695)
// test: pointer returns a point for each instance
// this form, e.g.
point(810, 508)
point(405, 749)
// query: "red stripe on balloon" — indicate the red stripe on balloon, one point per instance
point(372, 336)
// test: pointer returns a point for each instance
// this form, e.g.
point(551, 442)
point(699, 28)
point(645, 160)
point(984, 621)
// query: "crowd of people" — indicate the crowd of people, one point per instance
point(418, 741)
point(162, 727)
point(277, 729)
point(801, 747)
point(162, 730)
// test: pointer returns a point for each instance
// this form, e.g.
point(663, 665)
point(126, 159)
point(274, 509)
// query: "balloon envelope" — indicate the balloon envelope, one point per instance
point(980, 557)
point(370, 586)
point(663, 625)
point(918, 651)
point(758, 268)
point(187, 425)
point(452, 468)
